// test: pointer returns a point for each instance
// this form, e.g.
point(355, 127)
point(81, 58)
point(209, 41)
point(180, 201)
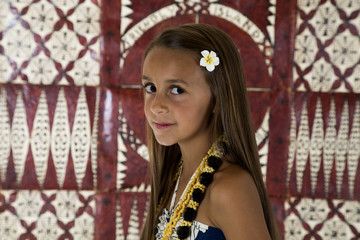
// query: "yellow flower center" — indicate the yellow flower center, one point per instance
point(209, 59)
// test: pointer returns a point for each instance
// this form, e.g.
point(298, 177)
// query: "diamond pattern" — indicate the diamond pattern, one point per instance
point(326, 46)
point(40, 139)
point(42, 44)
point(322, 219)
point(319, 143)
point(60, 143)
point(46, 137)
point(19, 137)
point(47, 214)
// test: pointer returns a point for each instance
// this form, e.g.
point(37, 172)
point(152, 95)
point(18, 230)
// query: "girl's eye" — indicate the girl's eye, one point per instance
point(177, 90)
point(150, 88)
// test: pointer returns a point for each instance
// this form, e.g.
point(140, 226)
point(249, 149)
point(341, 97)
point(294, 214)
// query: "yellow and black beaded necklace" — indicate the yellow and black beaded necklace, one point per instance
point(193, 194)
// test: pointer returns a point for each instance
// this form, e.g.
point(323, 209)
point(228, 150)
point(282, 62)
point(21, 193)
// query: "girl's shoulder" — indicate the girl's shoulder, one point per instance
point(234, 203)
point(233, 187)
point(231, 179)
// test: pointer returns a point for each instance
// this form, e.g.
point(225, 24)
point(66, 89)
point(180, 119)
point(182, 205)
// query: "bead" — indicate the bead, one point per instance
point(193, 204)
point(205, 178)
point(200, 186)
point(197, 195)
point(189, 214)
point(214, 162)
point(185, 223)
point(183, 232)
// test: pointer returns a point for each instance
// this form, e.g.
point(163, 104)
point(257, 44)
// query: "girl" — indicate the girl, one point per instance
point(206, 181)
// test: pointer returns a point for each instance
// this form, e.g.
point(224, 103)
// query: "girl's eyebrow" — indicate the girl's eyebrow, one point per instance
point(146, 78)
point(177, 81)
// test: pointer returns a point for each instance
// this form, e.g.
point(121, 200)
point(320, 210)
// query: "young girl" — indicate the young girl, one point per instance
point(206, 181)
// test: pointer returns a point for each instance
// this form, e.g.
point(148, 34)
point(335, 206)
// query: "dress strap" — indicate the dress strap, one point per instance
point(172, 204)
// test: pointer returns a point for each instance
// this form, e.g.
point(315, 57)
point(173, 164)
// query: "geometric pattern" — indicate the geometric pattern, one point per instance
point(73, 156)
point(47, 214)
point(308, 218)
point(42, 133)
point(40, 44)
point(327, 54)
point(328, 150)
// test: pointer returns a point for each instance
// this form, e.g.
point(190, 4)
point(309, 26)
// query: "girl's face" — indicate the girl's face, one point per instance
point(177, 97)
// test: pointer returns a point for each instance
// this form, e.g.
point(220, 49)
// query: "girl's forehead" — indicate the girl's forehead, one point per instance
point(163, 65)
point(169, 59)
point(172, 52)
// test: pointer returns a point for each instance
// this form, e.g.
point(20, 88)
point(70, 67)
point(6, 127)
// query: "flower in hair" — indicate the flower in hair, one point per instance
point(209, 60)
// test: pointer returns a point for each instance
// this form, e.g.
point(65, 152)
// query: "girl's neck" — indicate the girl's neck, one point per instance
point(192, 155)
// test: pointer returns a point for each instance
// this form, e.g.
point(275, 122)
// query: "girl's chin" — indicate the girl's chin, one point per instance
point(164, 142)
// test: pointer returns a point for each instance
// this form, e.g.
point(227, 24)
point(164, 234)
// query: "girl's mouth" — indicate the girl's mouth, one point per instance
point(163, 125)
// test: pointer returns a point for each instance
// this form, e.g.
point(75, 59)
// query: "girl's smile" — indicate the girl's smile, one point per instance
point(163, 125)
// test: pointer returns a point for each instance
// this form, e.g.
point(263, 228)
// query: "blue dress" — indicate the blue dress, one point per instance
point(199, 231)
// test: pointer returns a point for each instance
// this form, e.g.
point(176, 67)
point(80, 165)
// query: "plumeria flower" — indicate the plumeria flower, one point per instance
point(209, 60)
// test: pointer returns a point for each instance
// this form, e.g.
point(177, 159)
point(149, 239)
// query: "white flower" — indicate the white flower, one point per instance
point(209, 60)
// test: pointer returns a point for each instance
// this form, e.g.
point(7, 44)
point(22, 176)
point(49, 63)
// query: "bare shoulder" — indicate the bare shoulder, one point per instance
point(235, 205)
point(231, 180)
point(234, 174)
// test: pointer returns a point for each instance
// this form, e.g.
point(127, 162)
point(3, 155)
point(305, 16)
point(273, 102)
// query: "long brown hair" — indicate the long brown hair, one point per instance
point(231, 117)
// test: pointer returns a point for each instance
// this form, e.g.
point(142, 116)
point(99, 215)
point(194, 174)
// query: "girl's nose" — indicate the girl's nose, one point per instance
point(158, 105)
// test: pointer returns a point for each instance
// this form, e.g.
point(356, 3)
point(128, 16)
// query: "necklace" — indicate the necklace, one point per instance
point(193, 195)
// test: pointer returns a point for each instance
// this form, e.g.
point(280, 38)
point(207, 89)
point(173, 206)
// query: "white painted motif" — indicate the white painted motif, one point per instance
point(292, 146)
point(47, 227)
point(41, 17)
point(303, 147)
point(316, 145)
point(121, 158)
point(133, 230)
point(125, 12)
point(5, 69)
point(325, 21)
point(10, 226)
point(19, 137)
point(28, 205)
point(341, 46)
point(81, 137)
point(86, 19)
point(84, 227)
point(262, 137)
point(94, 139)
point(321, 218)
point(342, 147)
point(354, 149)
point(66, 205)
point(4, 134)
point(60, 140)
point(65, 5)
point(18, 43)
point(322, 76)
point(119, 231)
point(86, 71)
point(41, 70)
point(40, 139)
point(334, 147)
